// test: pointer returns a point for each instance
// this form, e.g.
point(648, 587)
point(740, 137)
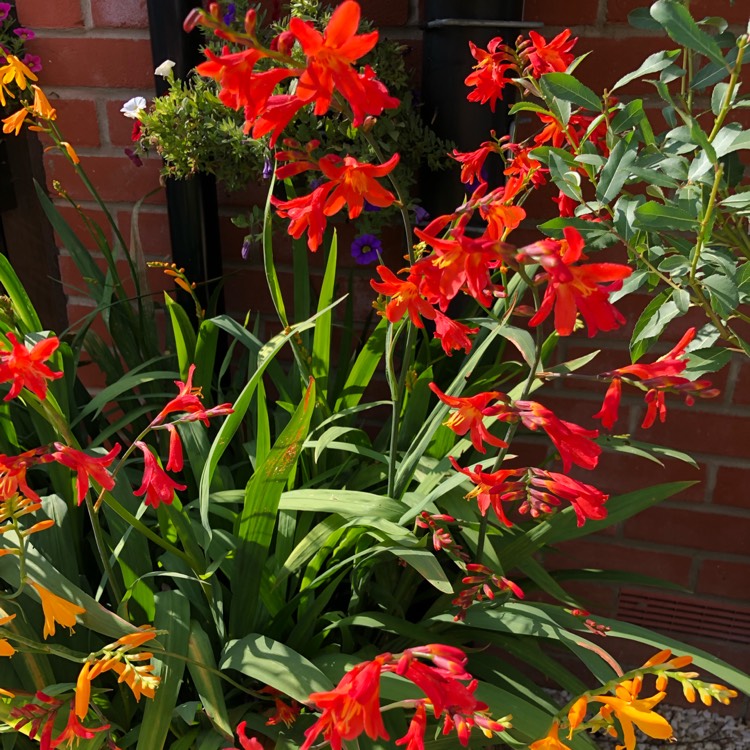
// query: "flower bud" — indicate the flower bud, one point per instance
point(214, 10)
point(251, 18)
point(192, 20)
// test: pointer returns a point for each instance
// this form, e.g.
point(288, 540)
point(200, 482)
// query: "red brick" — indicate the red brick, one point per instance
point(115, 178)
point(722, 578)
point(120, 127)
point(77, 121)
point(689, 430)
point(694, 529)
point(130, 14)
point(581, 13)
point(732, 487)
point(62, 14)
point(153, 229)
point(392, 13)
point(108, 63)
point(617, 10)
point(606, 555)
point(610, 59)
point(742, 387)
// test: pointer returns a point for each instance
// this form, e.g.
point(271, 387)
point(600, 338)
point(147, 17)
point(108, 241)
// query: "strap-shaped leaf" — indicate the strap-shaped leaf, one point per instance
point(258, 518)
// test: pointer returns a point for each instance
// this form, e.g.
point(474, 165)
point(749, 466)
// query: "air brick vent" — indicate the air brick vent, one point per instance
point(685, 615)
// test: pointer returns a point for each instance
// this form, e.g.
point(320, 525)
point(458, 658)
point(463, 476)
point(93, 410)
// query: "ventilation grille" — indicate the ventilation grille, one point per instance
point(697, 617)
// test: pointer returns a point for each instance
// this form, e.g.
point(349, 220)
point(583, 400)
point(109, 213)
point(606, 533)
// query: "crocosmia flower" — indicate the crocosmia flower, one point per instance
point(405, 298)
point(24, 367)
point(550, 57)
point(157, 485)
point(57, 611)
point(87, 467)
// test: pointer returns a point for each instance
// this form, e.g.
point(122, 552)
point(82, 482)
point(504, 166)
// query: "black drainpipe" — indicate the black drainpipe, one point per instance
point(191, 204)
point(449, 27)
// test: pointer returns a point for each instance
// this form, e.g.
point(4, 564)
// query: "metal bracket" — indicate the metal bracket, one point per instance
point(440, 23)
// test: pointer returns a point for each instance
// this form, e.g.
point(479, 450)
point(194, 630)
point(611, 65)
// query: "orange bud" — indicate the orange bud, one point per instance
point(83, 691)
point(661, 682)
point(680, 661)
point(214, 10)
point(41, 526)
point(658, 658)
point(577, 714)
point(689, 692)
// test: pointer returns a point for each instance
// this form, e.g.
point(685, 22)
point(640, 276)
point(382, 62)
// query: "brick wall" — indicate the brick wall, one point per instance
point(96, 54)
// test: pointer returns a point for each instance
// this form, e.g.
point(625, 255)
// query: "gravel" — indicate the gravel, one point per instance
point(696, 729)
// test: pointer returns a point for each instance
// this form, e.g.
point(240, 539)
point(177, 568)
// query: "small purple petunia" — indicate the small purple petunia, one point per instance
point(366, 249)
point(246, 247)
point(230, 13)
point(32, 62)
point(267, 169)
point(421, 216)
point(370, 207)
point(5, 10)
point(25, 34)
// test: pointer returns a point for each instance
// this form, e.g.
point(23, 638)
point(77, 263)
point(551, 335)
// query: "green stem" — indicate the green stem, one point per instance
point(706, 223)
point(114, 586)
point(726, 103)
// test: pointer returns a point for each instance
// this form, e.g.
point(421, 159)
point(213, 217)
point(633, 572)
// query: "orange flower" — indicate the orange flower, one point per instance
point(577, 714)
point(551, 741)
point(87, 467)
point(631, 710)
point(354, 182)
point(25, 366)
point(14, 123)
point(41, 106)
point(13, 473)
point(56, 610)
point(5, 647)
point(550, 57)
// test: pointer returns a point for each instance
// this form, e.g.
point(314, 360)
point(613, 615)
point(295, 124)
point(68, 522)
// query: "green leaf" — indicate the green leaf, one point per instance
point(202, 667)
point(321, 348)
point(184, 335)
point(568, 88)
point(652, 322)
point(363, 369)
point(652, 64)
point(172, 615)
point(272, 278)
point(272, 663)
point(425, 563)
point(22, 306)
point(676, 20)
point(617, 170)
point(629, 116)
point(657, 216)
point(724, 294)
point(258, 518)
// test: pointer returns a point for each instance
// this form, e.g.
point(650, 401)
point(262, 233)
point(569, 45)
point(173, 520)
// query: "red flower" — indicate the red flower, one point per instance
point(524, 167)
point(275, 116)
point(572, 289)
point(470, 413)
point(188, 400)
point(353, 183)
point(659, 377)
point(489, 72)
point(452, 334)
point(306, 214)
point(351, 708)
point(473, 161)
point(87, 467)
point(405, 297)
point(25, 366)
point(414, 737)
point(550, 57)
point(574, 444)
point(13, 472)
point(493, 488)
point(157, 485)
point(587, 501)
point(329, 64)
point(248, 743)
point(481, 584)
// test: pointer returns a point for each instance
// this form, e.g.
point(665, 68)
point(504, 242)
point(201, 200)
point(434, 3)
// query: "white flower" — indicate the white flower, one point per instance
point(133, 106)
point(165, 69)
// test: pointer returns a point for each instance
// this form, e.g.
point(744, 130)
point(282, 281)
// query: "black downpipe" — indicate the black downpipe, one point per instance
point(192, 204)
point(449, 27)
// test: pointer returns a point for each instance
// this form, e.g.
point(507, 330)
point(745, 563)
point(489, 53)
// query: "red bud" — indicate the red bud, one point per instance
point(192, 20)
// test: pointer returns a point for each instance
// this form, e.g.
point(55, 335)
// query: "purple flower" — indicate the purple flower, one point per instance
point(32, 62)
point(421, 216)
point(370, 207)
point(267, 169)
point(133, 157)
point(230, 14)
point(246, 247)
point(366, 249)
point(24, 33)
point(4, 10)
